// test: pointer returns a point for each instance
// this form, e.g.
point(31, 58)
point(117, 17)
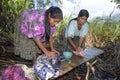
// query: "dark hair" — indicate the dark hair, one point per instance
point(56, 13)
point(82, 12)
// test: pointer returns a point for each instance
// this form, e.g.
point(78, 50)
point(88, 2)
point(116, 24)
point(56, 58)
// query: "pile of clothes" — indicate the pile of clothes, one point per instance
point(46, 68)
point(43, 68)
point(18, 72)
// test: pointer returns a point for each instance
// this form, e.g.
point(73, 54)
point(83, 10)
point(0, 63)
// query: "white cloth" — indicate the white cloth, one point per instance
point(29, 72)
point(46, 68)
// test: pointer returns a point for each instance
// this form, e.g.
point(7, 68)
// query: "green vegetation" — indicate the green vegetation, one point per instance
point(9, 11)
point(62, 25)
point(100, 33)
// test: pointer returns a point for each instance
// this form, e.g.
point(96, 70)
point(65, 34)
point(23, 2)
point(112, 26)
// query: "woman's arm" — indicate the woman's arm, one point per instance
point(72, 43)
point(40, 45)
point(80, 44)
point(45, 51)
point(81, 41)
point(51, 45)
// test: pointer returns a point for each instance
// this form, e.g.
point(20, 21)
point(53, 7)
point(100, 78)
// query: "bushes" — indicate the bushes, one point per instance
point(10, 9)
point(101, 32)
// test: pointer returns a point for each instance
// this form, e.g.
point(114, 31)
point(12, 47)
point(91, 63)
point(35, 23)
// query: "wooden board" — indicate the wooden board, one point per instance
point(65, 66)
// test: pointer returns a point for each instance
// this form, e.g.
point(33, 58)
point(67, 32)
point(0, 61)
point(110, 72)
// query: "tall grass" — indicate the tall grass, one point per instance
point(10, 10)
point(9, 35)
point(61, 27)
point(101, 32)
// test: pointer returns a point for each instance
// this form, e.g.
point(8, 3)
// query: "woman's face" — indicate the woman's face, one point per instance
point(82, 20)
point(53, 21)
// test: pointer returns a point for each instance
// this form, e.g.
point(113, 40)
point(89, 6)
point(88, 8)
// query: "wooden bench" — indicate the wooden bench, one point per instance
point(65, 66)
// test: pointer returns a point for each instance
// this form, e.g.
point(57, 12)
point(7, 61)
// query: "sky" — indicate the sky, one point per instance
point(96, 8)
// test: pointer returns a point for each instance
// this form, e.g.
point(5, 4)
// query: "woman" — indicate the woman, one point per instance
point(35, 28)
point(77, 30)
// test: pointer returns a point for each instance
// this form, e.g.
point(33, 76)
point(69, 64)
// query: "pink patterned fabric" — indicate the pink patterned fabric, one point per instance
point(13, 73)
point(81, 53)
point(32, 24)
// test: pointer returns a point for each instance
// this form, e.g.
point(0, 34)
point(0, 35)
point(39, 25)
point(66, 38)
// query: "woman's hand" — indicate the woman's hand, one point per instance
point(50, 54)
point(78, 49)
point(57, 52)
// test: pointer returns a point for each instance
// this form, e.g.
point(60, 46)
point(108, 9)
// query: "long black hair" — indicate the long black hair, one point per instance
point(82, 12)
point(56, 13)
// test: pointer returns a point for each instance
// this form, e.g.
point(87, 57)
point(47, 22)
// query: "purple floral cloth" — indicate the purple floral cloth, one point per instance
point(13, 73)
point(32, 24)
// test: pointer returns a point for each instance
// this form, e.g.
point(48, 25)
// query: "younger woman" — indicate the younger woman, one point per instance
point(76, 31)
point(37, 27)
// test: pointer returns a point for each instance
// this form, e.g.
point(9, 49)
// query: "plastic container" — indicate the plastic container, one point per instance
point(67, 54)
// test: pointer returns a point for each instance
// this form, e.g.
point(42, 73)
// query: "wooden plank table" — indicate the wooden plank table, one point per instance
point(65, 66)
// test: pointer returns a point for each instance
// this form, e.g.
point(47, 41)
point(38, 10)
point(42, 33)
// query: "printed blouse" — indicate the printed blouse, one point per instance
point(32, 25)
